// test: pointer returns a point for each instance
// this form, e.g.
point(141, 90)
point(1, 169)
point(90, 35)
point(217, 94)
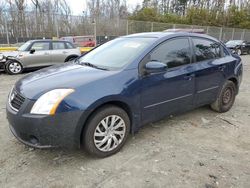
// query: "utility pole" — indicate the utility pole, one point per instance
point(95, 31)
point(7, 30)
point(127, 27)
point(57, 29)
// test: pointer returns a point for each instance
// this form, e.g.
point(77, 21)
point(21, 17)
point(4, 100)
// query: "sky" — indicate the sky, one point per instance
point(78, 6)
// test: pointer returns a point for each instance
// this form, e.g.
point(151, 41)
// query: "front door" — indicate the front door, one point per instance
point(171, 91)
point(40, 56)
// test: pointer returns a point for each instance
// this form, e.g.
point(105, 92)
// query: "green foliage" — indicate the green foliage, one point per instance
point(146, 14)
point(232, 17)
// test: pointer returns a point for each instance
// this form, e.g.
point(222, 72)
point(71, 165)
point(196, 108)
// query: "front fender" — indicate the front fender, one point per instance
point(14, 59)
point(133, 108)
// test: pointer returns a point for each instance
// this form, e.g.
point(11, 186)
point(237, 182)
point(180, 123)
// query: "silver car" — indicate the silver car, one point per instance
point(38, 53)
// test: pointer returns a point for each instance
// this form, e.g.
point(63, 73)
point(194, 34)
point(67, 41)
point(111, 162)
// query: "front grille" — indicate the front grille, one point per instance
point(16, 100)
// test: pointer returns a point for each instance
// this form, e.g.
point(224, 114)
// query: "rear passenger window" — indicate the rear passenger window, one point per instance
point(58, 45)
point(173, 53)
point(206, 49)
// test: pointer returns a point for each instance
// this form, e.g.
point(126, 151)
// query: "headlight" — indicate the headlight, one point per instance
point(48, 102)
point(1, 56)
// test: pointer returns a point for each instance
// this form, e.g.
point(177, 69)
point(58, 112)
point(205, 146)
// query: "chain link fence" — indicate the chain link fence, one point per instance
point(16, 29)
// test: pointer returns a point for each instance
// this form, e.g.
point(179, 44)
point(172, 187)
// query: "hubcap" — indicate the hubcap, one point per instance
point(227, 96)
point(109, 133)
point(15, 67)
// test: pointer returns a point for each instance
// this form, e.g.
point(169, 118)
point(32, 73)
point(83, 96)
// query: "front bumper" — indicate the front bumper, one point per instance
point(44, 131)
point(2, 65)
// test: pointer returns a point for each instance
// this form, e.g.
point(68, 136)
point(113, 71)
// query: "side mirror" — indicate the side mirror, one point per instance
point(155, 67)
point(244, 44)
point(32, 51)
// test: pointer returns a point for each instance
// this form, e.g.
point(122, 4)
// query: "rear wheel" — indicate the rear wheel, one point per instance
point(13, 67)
point(71, 58)
point(106, 131)
point(226, 98)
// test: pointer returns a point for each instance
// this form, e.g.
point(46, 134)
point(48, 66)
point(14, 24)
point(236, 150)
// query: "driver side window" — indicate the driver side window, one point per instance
point(173, 53)
point(40, 46)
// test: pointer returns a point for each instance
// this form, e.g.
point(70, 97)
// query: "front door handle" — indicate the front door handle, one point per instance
point(64, 52)
point(46, 53)
point(189, 76)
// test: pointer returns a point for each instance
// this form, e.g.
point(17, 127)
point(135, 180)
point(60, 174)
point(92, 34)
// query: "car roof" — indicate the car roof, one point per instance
point(168, 35)
point(47, 40)
point(236, 40)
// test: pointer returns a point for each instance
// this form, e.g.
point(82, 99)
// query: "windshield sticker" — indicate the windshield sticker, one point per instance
point(132, 45)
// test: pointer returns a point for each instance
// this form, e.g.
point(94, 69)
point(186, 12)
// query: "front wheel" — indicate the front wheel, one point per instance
point(239, 52)
point(106, 131)
point(226, 98)
point(13, 67)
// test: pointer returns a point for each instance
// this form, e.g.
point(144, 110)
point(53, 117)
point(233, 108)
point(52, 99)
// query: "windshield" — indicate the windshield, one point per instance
point(234, 42)
point(117, 53)
point(24, 46)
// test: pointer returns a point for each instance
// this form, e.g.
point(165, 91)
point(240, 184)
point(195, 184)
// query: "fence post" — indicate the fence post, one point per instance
point(207, 30)
point(127, 27)
point(243, 34)
point(221, 31)
point(7, 31)
point(233, 33)
point(152, 26)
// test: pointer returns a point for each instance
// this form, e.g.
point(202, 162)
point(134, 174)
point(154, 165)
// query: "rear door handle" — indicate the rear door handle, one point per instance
point(189, 76)
point(46, 53)
point(222, 67)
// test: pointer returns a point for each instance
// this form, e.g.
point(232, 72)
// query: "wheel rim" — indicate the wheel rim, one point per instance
point(15, 67)
point(109, 133)
point(227, 96)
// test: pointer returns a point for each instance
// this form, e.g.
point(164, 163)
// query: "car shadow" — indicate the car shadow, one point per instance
point(62, 156)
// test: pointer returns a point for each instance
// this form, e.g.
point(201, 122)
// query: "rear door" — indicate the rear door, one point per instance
point(40, 56)
point(59, 52)
point(210, 66)
point(171, 91)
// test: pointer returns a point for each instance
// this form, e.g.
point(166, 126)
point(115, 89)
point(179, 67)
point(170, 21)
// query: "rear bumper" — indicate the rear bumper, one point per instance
point(44, 131)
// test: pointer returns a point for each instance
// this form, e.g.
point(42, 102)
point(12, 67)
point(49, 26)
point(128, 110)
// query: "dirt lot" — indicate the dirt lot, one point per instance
point(197, 149)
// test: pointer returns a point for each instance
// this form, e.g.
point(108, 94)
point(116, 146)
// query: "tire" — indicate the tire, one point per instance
point(13, 67)
point(96, 140)
point(226, 98)
point(71, 58)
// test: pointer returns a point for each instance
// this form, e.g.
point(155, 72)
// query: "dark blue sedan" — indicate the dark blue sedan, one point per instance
point(101, 97)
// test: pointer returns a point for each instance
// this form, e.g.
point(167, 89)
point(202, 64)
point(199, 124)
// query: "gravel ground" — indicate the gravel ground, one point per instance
point(200, 148)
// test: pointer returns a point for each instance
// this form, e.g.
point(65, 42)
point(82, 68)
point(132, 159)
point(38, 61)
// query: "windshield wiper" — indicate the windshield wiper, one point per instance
point(91, 65)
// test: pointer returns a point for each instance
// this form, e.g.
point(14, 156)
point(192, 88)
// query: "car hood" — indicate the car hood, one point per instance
point(231, 45)
point(12, 53)
point(61, 76)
